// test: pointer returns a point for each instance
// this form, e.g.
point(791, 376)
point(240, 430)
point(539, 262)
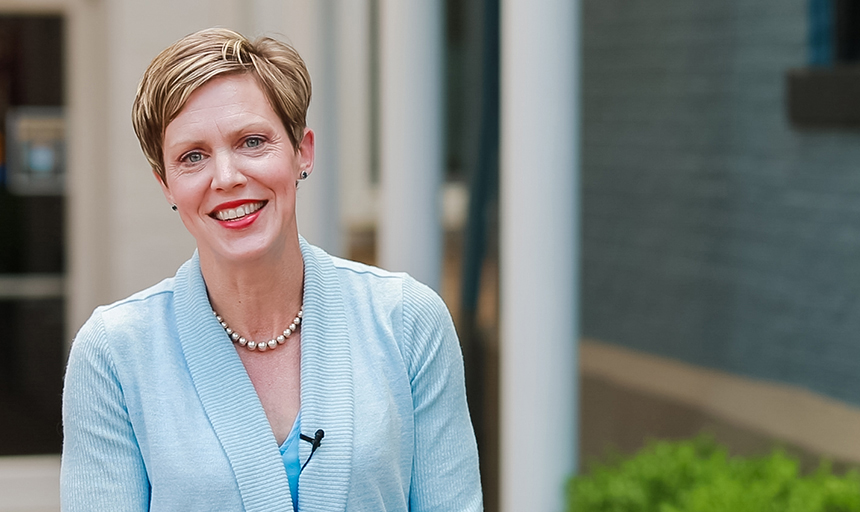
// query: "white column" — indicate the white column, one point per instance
point(352, 19)
point(309, 26)
point(540, 61)
point(409, 228)
point(87, 227)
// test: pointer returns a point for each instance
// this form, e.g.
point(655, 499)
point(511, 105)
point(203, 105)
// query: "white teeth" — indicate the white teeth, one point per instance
point(238, 212)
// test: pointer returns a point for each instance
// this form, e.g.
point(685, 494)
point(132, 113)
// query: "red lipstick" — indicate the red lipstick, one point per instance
point(243, 220)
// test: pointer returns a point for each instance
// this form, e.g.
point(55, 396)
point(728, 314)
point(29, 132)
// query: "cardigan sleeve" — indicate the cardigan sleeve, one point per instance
point(445, 472)
point(102, 467)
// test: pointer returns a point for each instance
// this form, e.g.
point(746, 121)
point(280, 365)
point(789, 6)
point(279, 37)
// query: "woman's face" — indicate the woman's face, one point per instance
point(231, 170)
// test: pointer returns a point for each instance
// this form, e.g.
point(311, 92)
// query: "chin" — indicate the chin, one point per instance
point(251, 250)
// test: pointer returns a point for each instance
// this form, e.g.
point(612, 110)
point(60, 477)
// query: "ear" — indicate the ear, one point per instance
point(306, 153)
point(164, 188)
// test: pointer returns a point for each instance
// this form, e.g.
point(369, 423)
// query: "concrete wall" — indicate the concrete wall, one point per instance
point(714, 232)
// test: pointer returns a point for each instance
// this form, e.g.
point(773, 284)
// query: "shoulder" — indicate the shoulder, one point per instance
point(125, 319)
point(139, 311)
point(417, 299)
point(364, 285)
point(418, 315)
point(355, 269)
point(143, 298)
point(102, 342)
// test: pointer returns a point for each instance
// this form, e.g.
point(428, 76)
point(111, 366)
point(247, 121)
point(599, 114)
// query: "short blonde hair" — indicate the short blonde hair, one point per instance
point(194, 60)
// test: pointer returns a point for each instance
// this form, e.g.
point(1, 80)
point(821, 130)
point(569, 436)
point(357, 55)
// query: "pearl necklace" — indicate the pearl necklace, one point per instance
point(263, 345)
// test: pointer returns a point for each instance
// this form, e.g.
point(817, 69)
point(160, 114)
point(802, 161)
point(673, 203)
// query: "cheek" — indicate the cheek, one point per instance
point(275, 173)
point(272, 164)
point(188, 192)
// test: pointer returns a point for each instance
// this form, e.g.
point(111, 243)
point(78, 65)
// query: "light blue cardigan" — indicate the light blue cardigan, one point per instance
point(159, 413)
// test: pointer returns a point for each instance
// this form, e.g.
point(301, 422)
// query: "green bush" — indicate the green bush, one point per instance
point(698, 476)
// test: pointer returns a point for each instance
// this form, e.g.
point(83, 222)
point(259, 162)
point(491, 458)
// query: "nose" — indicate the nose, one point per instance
point(227, 173)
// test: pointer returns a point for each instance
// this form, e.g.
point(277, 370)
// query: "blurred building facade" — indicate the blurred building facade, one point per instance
point(719, 241)
point(721, 244)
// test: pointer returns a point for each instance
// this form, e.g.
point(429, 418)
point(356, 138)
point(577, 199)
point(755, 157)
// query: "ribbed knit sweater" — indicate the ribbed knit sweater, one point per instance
point(159, 413)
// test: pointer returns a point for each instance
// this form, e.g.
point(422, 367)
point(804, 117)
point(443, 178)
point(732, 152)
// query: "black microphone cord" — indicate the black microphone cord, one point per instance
point(315, 443)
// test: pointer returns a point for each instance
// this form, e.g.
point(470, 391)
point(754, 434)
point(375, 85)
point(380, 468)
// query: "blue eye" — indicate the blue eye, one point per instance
point(253, 142)
point(193, 157)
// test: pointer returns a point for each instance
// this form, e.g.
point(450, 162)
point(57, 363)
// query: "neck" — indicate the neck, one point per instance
point(258, 297)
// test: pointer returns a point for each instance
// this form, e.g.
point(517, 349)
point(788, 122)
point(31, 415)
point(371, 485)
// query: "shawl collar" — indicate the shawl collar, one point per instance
point(235, 411)
point(327, 389)
point(228, 397)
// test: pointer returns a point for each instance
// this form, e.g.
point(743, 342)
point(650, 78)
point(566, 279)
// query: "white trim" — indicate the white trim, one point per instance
point(30, 484)
point(32, 286)
point(811, 421)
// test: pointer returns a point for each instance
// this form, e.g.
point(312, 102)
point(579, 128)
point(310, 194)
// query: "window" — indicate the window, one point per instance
point(825, 94)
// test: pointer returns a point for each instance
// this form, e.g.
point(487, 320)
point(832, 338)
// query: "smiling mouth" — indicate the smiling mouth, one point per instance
point(237, 213)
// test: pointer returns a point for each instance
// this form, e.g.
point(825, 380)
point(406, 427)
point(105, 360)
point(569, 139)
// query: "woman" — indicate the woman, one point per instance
point(265, 372)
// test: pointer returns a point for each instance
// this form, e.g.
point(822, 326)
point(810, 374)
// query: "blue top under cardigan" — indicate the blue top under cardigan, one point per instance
point(290, 455)
point(159, 413)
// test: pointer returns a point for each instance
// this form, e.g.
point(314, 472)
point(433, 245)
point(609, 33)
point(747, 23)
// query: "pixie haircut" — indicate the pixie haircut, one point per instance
point(194, 60)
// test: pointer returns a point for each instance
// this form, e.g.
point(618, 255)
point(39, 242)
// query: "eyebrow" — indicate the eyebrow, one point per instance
point(250, 128)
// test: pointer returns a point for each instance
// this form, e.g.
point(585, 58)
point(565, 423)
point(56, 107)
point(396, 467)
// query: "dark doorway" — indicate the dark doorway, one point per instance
point(32, 246)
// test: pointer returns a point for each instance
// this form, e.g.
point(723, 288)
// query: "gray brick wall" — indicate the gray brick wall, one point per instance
point(714, 232)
